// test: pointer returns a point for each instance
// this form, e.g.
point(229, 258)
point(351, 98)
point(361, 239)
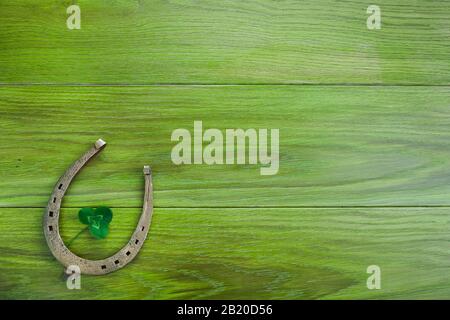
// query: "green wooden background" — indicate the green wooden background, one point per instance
point(364, 118)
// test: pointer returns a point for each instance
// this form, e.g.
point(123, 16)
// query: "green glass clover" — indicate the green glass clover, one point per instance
point(97, 220)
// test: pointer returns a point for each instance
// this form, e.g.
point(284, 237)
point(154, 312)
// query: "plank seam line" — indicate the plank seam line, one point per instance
point(221, 85)
point(258, 207)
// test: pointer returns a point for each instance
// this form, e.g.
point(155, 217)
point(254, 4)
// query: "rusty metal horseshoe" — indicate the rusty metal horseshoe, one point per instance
point(51, 223)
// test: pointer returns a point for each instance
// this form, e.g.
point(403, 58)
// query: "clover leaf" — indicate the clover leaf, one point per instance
point(98, 220)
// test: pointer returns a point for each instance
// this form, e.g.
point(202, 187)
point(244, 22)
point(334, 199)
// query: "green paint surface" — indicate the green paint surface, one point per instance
point(256, 41)
point(364, 118)
point(338, 145)
point(240, 253)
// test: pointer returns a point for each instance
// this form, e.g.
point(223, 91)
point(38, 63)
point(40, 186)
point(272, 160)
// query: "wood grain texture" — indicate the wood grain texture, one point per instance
point(257, 41)
point(239, 253)
point(339, 146)
point(367, 127)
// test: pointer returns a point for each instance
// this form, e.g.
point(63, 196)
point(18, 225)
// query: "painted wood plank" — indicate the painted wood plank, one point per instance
point(339, 146)
point(239, 253)
point(257, 41)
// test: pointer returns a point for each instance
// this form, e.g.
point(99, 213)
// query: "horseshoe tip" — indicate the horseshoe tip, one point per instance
point(147, 170)
point(100, 143)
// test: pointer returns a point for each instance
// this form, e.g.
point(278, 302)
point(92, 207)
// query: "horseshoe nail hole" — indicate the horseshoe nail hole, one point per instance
point(54, 200)
point(137, 241)
point(142, 229)
point(116, 262)
point(50, 228)
point(50, 213)
point(128, 253)
point(103, 267)
point(60, 186)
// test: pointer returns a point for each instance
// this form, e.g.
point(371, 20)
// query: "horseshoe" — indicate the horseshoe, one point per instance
point(51, 223)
